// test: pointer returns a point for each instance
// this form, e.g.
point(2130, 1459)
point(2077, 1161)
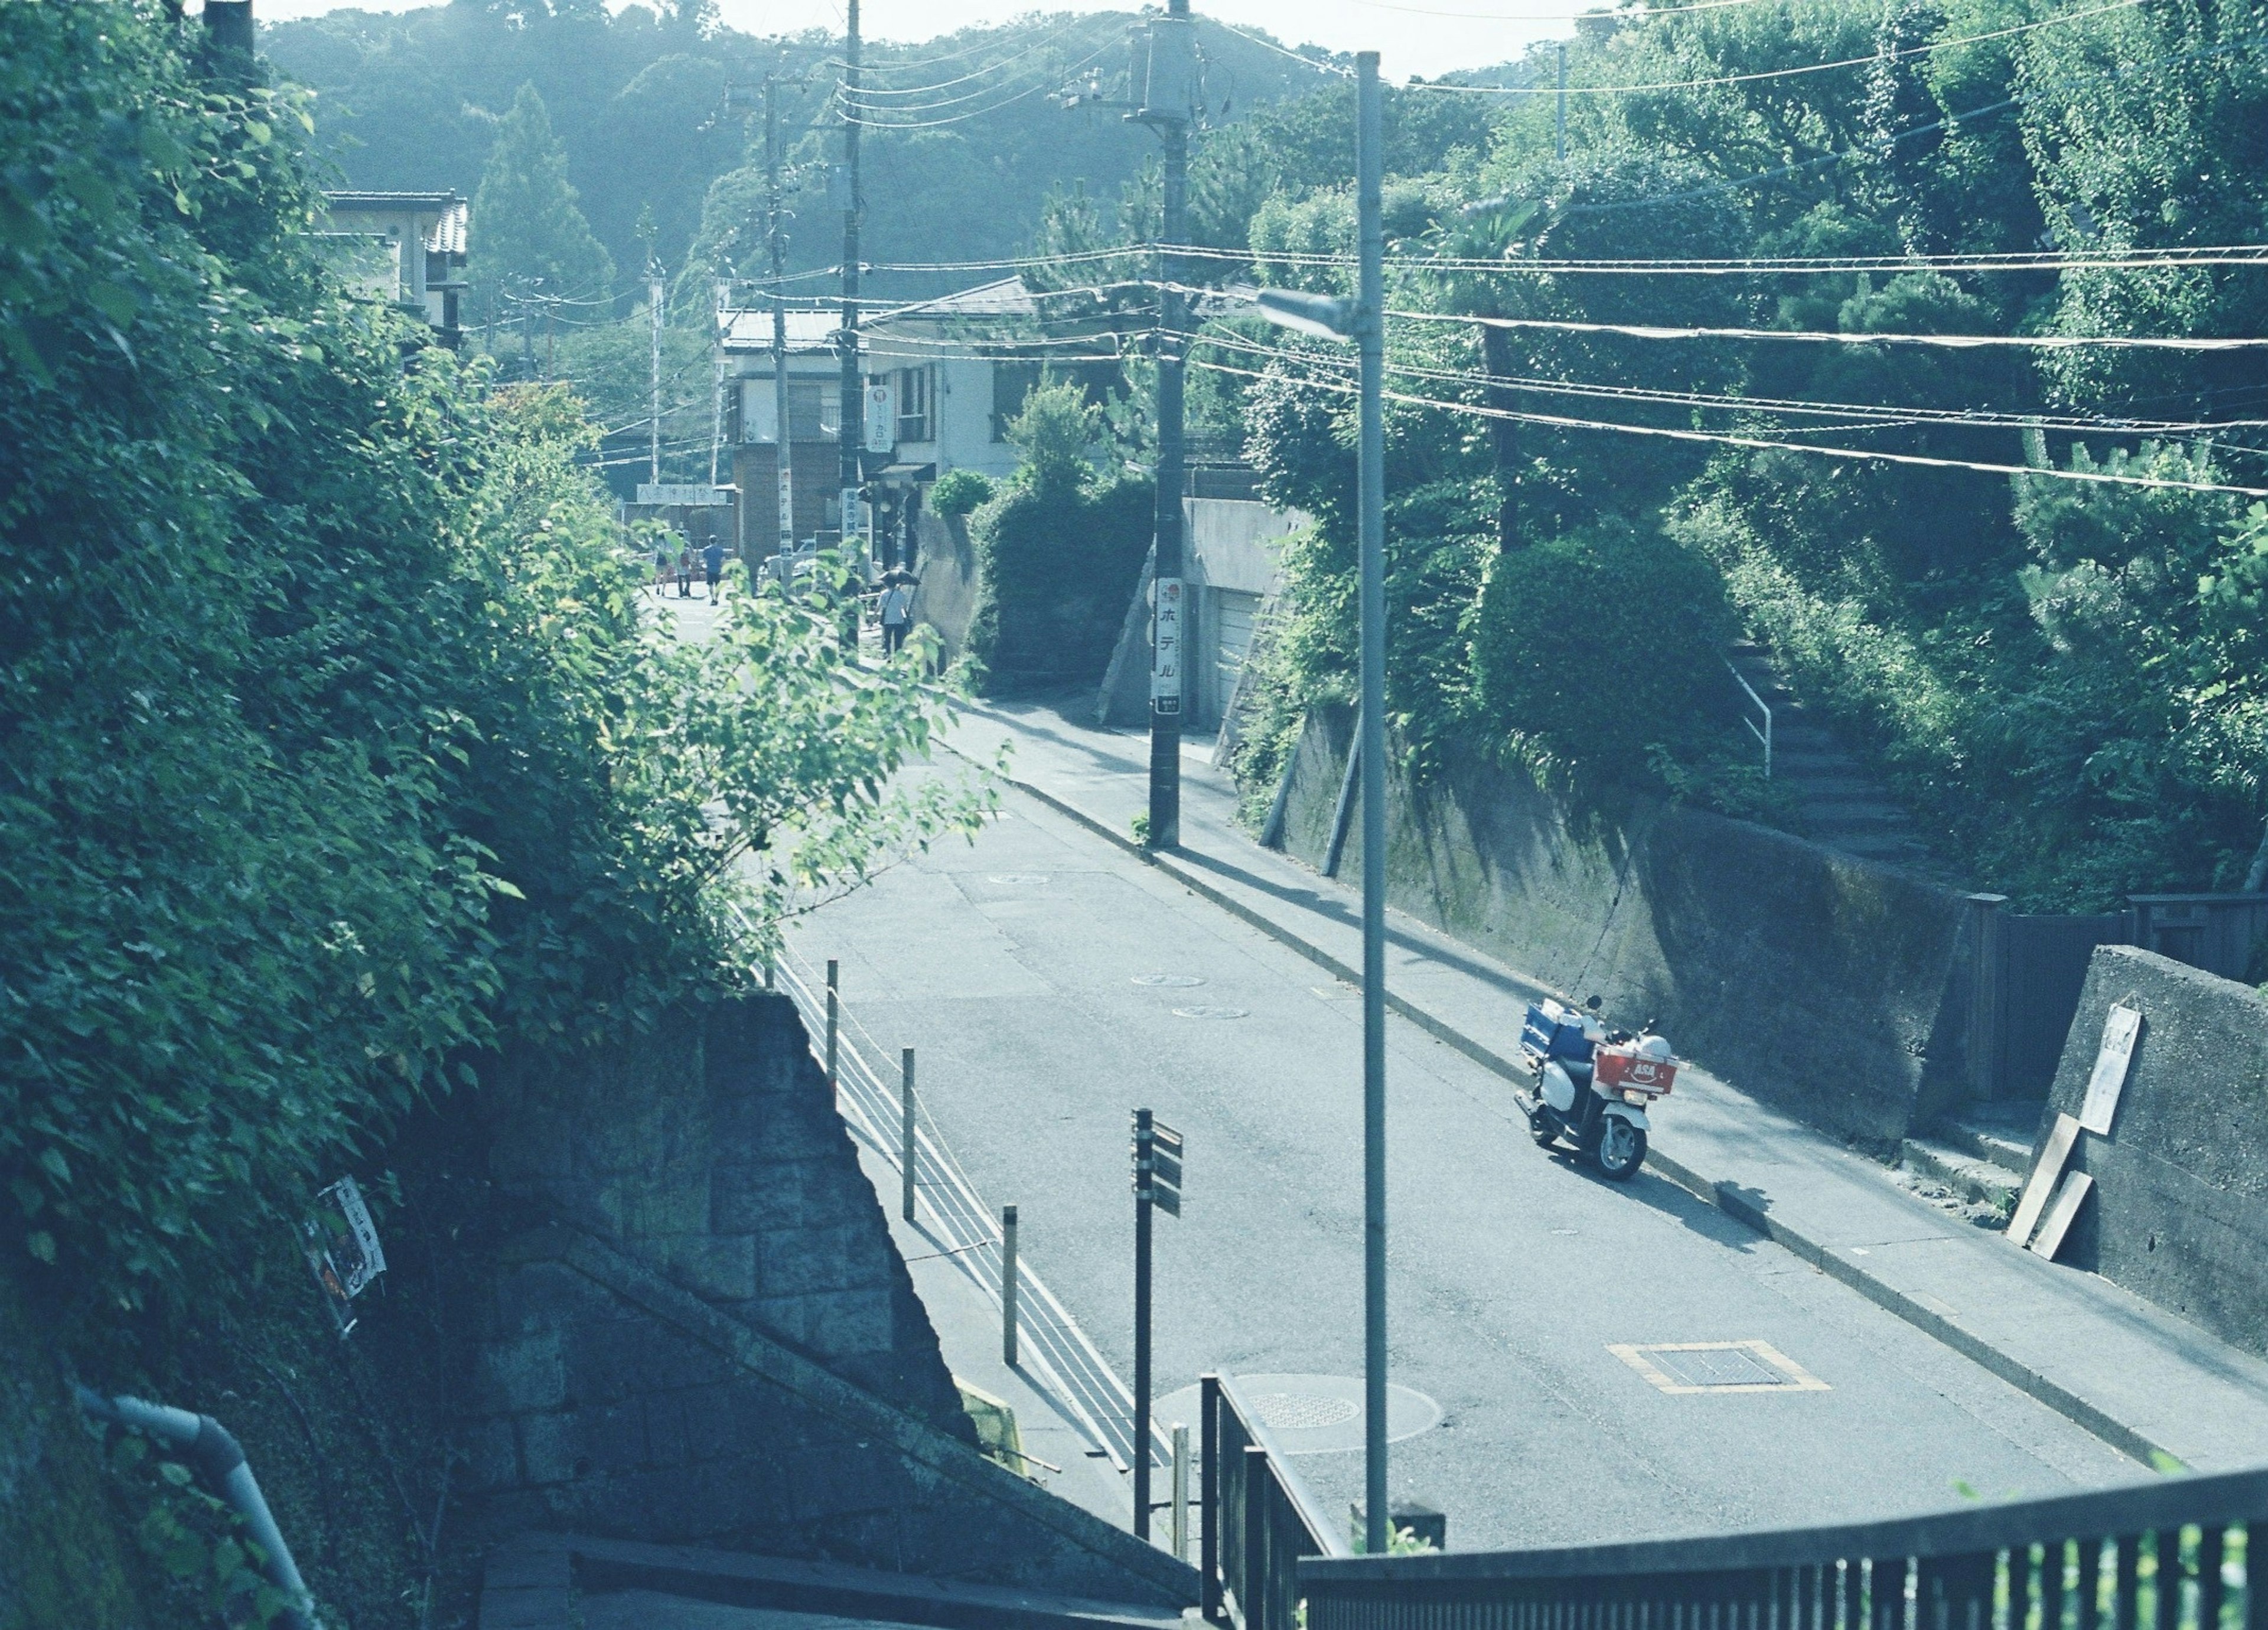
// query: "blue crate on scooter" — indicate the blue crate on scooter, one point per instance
point(1553, 1030)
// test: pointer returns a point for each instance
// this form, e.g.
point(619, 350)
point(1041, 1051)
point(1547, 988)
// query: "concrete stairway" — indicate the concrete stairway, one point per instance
point(1839, 804)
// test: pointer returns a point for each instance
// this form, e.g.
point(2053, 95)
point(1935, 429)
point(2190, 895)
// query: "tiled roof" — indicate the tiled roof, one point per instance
point(751, 330)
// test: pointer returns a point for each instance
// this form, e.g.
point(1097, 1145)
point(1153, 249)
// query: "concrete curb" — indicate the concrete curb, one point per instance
point(1725, 1197)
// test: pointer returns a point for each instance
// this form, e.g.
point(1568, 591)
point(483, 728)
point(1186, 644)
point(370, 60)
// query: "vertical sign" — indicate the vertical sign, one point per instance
point(786, 509)
point(2121, 1027)
point(1166, 646)
point(881, 418)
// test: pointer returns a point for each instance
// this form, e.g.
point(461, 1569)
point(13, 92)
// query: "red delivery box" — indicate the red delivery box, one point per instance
point(1622, 1066)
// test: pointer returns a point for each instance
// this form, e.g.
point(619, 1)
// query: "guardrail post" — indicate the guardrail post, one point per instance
point(1259, 1589)
point(833, 1014)
point(906, 1130)
point(1180, 1526)
point(1209, 1497)
point(1008, 1286)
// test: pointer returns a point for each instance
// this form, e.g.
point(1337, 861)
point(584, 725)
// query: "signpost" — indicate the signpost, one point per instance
point(692, 494)
point(1157, 1183)
point(1166, 648)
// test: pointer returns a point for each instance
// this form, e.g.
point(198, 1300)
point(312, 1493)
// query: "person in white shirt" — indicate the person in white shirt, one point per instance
point(897, 609)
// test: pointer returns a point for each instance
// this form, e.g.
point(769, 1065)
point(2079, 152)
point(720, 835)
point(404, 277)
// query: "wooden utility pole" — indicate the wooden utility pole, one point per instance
point(852, 412)
point(776, 234)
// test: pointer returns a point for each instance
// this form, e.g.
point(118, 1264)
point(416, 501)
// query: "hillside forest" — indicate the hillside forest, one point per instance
point(2059, 671)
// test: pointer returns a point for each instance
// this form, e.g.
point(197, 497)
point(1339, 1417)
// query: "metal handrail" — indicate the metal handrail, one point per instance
point(1260, 1516)
point(2161, 1556)
point(1764, 736)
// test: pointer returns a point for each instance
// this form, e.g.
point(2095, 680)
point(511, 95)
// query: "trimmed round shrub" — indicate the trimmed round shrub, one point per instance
point(1598, 645)
point(957, 491)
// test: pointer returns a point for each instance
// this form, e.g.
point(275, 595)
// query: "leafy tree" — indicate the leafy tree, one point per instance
point(529, 239)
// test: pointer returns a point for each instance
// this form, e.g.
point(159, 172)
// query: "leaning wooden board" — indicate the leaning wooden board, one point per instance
point(2057, 1150)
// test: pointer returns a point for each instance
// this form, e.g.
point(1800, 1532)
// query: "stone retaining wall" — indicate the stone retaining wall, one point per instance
point(1837, 989)
point(2179, 1212)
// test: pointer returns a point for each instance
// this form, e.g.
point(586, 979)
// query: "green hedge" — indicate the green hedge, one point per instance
point(1058, 568)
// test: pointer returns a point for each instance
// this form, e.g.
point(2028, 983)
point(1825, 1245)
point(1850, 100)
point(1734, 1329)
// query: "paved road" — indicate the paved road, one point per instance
point(1014, 966)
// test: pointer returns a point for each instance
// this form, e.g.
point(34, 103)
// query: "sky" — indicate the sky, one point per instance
point(1426, 37)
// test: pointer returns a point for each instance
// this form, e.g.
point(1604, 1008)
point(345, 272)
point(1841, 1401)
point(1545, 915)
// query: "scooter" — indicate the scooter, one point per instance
point(1593, 1085)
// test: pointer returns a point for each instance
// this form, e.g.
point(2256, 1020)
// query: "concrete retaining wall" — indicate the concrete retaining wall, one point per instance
point(1836, 989)
point(2179, 1212)
point(946, 597)
point(708, 1336)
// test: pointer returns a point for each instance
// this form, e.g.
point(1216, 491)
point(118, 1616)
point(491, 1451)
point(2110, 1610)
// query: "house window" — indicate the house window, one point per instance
point(1011, 382)
point(814, 409)
point(915, 388)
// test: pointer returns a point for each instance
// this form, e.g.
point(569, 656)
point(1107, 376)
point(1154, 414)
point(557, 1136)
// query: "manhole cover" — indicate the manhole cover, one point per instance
point(1210, 1013)
point(1312, 1415)
point(1303, 1412)
point(1013, 877)
point(1682, 1367)
point(1170, 980)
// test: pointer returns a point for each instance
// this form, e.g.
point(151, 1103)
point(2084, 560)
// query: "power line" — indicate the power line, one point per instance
point(1957, 341)
point(1777, 73)
point(1762, 444)
point(1887, 414)
point(1040, 44)
point(1033, 89)
point(2225, 254)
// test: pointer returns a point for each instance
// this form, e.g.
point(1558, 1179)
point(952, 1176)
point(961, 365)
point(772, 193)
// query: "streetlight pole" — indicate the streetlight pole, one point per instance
point(777, 236)
point(1166, 109)
point(1370, 335)
point(852, 410)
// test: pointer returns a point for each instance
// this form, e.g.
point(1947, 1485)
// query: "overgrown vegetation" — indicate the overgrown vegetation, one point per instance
point(2061, 675)
point(1059, 547)
point(335, 749)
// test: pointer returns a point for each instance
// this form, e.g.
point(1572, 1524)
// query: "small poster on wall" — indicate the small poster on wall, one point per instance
point(341, 1246)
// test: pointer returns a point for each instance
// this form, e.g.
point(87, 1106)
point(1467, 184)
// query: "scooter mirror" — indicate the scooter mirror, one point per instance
point(1593, 1004)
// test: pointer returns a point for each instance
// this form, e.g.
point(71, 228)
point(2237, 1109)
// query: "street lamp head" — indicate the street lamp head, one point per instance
point(1324, 315)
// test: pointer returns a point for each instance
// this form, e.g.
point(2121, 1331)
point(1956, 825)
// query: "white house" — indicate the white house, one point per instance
point(408, 248)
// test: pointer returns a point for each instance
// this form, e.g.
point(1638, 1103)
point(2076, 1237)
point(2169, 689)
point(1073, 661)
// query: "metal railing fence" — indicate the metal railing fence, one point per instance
point(1260, 1518)
point(2168, 1555)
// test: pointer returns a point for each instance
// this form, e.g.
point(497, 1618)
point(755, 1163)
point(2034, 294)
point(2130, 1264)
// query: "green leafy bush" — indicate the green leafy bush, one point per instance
point(336, 747)
point(1598, 646)
point(1059, 550)
point(959, 491)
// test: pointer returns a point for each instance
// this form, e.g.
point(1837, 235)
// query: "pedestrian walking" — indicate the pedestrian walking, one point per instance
point(712, 563)
point(897, 609)
point(660, 566)
point(685, 572)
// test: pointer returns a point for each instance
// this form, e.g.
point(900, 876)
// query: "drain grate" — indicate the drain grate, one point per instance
point(1303, 1412)
point(1681, 1367)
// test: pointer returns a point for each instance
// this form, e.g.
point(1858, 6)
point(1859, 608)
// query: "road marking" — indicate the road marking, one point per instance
point(1210, 1012)
point(1169, 981)
point(1683, 1367)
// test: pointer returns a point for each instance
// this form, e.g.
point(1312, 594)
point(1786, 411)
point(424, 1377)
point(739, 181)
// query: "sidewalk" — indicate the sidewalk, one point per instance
point(2143, 1380)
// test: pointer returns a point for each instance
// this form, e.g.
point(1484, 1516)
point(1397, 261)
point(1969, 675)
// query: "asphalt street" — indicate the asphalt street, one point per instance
point(1025, 969)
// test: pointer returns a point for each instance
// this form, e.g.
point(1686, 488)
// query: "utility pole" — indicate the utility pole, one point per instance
point(1562, 145)
point(653, 292)
point(1370, 336)
point(777, 235)
point(852, 414)
point(717, 405)
point(1166, 109)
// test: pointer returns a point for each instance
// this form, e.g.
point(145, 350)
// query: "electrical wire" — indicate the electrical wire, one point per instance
point(1640, 14)
point(1957, 341)
point(1923, 49)
point(1763, 443)
point(1304, 62)
point(1033, 89)
point(1886, 413)
point(2125, 259)
point(846, 99)
point(989, 68)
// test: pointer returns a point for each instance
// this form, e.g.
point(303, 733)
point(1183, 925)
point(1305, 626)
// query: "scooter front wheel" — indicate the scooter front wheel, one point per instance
point(1621, 1149)
point(1543, 1126)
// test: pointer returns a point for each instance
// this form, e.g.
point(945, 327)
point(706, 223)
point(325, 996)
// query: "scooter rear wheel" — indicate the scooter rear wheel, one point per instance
point(1621, 1150)
point(1543, 1126)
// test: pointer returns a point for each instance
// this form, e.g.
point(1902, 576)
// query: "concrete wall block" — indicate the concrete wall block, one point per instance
point(533, 1296)
point(528, 1372)
point(551, 1446)
point(677, 1423)
point(848, 1322)
point(809, 1260)
point(491, 1455)
point(787, 1318)
point(753, 1197)
point(614, 1436)
point(825, 1484)
point(2176, 1214)
point(836, 1192)
point(715, 1267)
